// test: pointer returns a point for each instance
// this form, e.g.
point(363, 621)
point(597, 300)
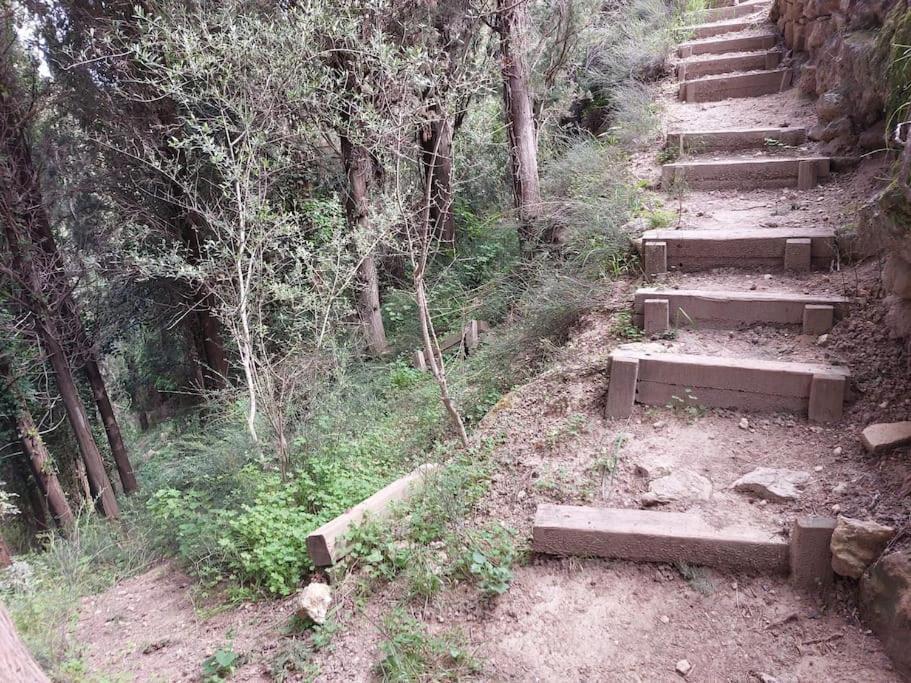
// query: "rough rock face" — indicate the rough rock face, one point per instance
point(776, 485)
point(856, 544)
point(835, 44)
point(679, 485)
point(313, 602)
point(841, 55)
point(885, 605)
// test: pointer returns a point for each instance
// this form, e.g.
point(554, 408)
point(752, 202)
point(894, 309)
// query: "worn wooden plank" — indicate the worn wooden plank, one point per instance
point(649, 536)
point(327, 545)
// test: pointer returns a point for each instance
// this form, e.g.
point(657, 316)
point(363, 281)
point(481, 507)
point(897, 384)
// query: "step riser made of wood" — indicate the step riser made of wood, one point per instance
point(731, 11)
point(688, 71)
point(736, 86)
point(681, 381)
point(732, 140)
point(675, 537)
point(765, 41)
point(803, 174)
point(767, 248)
point(700, 31)
point(656, 310)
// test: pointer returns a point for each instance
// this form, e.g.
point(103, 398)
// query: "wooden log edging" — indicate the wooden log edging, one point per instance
point(468, 339)
point(671, 537)
point(327, 545)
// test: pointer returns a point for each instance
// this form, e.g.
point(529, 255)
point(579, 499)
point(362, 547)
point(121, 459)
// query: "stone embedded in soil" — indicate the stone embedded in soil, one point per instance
point(653, 466)
point(777, 485)
point(313, 602)
point(880, 438)
point(744, 423)
point(856, 544)
point(679, 485)
point(885, 605)
point(683, 667)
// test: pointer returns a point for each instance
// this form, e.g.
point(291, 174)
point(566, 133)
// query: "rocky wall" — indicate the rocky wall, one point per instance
point(843, 54)
point(838, 58)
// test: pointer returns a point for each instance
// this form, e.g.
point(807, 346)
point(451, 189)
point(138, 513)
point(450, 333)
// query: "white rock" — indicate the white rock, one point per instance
point(683, 667)
point(840, 488)
point(653, 466)
point(744, 423)
point(837, 451)
point(822, 340)
point(679, 485)
point(856, 544)
point(313, 602)
point(778, 485)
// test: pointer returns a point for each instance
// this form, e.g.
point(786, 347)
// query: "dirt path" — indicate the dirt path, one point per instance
point(598, 620)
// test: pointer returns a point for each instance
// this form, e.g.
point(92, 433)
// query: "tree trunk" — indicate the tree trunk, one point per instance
point(358, 169)
point(101, 487)
point(37, 512)
point(512, 25)
point(40, 461)
point(216, 368)
point(436, 155)
point(111, 427)
point(6, 558)
point(28, 226)
point(16, 663)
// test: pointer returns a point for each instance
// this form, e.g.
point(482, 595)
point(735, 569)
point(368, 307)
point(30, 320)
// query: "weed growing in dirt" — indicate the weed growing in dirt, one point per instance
point(624, 328)
point(412, 653)
point(687, 407)
point(569, 429)
point(697, 577)
point(221, 664)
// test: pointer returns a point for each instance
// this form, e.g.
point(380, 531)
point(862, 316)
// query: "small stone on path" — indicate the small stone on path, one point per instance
point(744, 423)
point(879, 438)
point(680, 485)
point(683, 667)
point(778, 485)
point(313, 602)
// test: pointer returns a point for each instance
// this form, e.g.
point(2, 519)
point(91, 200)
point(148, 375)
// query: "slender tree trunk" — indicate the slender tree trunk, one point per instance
point(36, 498)
point(6, 557)
point(358, 169)
point(28, 228)
point(216, 369)
point(111, 427)
point(40, 461)
point(16, 663)
point(436, 153)
point(79, 421)
point(512, 25)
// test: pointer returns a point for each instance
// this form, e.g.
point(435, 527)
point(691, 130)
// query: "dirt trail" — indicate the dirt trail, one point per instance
point(596, 620)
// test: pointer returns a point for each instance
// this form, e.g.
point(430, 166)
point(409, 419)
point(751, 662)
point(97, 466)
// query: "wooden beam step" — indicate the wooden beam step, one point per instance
point(718, 46)
point(772, 172)
point(658, 309)
point(328, 544)
point(796, 249)
point(716, 28)
point(650, 536)
point(735, 86)
point(694, 142)
point(734, 11)
point(670, 379)
point(746, 61)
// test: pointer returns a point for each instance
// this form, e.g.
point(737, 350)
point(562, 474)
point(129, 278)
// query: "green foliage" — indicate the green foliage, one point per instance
point(411, 653)
point(489, 558)
point(624, 327)
point(221, 665)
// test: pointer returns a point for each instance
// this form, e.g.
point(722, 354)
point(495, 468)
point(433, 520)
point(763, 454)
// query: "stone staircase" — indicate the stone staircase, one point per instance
point(733, 54)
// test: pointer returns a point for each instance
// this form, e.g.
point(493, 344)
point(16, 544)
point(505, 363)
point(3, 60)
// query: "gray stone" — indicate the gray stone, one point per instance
point(830, 106)
point(856, 544)
point(880, 438)
point(313, 602)
point(777, 485)
point(683, 667)
point(679, 485)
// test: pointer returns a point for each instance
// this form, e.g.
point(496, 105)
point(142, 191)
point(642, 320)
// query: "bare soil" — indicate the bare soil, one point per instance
point(593, 620)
